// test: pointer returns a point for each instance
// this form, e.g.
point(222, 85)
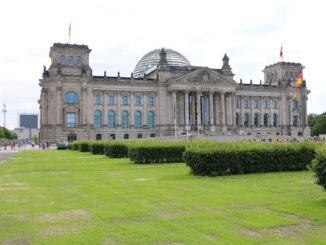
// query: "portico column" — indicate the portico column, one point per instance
point(261, 102)
point(105, 110)
point(241, 111)
point(186, 121)
point(211, 109)
point(270, 112)
point(174, 107)
point(119, 109)
point(145, 109)
point(83, 106)
point(251, 116)
point(233, 109)
point(198, 108)
point(59, 110)
point(132, 110)
point(222, 98)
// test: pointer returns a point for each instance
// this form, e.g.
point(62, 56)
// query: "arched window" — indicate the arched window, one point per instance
point(97, 119)
point(256, 118)
point(266, 120)
point(275, 120)
point(150, 119)
point(237, 119)
point(246, 120)
point(71, 59)
point(125, 119)
point(62, 59)
point(138, 119)
point(71, 98)
point(79, 60)
point(111, 120)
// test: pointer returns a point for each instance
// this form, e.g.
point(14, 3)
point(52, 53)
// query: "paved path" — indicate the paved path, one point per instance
point(5, 155)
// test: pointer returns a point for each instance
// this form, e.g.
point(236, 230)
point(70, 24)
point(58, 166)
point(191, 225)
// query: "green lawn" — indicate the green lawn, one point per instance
point(64, 197)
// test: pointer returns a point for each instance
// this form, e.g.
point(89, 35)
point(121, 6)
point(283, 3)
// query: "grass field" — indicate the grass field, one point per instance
point(64, 197)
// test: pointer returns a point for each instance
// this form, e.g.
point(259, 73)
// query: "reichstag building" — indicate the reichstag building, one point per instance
point(166, 95)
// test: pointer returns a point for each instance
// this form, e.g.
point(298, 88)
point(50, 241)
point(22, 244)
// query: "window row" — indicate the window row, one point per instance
point(98, 119)
point(70, 60)
point(246, 120)
point(125, 100)
point(255, 103)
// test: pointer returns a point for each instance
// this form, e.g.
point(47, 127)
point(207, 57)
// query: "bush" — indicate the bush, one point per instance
point(116, 149)
point(83, 146)
point(157, 152)
point(96, 147)
point(212, 159)
point(320, 166)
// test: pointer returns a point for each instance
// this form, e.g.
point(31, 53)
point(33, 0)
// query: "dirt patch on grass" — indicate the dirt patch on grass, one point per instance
point(212, 237)
point(18, 239)
point(287, 229)
point(13, 186)
point(167, 243)
point(250, 233)
point(66, 214)
point(57, 230)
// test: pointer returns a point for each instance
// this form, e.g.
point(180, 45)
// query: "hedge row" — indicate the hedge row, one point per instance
point(157, 152)
point(320, 166)
point(212, 159)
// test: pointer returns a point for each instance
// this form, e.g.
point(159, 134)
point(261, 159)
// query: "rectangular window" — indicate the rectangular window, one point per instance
point(111, 100)
point(275, 104)
point(150, 100)
point(294, 104)
point(237, 103)
point(245, 103)
point(295, 121)
point(256, 104)
point(98, 99)
point(138, 100)
point(71, 119)
point(125, 100)
point(266, 104)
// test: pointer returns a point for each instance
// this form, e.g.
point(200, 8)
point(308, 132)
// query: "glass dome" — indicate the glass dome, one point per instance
point(150, 61)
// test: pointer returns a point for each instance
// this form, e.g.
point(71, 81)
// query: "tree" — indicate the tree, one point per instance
point(319, 125)
point(312, 119)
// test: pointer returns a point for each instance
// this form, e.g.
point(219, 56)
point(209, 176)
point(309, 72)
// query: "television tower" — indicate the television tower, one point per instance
point(4, 110)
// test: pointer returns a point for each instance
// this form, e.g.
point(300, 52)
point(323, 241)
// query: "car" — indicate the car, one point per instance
point(62, 144)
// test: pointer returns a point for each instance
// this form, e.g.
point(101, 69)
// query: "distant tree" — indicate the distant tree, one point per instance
point(312, 119)
point(319, 125)
point(6, 134)
point(35, 138)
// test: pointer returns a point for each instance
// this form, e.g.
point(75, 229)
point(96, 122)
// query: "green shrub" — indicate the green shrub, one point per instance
point(157, 152)
point(116, 149)
point(96, 147)
point(212, 159)
point(83, 146)
point(320, 166)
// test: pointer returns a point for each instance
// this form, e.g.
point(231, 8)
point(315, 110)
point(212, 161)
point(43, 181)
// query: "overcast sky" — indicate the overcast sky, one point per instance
point(120, 32)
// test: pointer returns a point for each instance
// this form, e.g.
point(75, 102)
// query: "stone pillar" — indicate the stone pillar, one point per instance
point(217, 110)
point(132, 110)
point(105, 109)
point(270, 121)
point(229, 110)
point(145, 110)
point(198, 108)
point(289, 104)
point(241, 111)
point(206, 109)
point(83, 105)
point(186, 121)
point(44, 104)
point(59, 107)
point(193, 109)
point(222, 105)
point(251, 114)
point(261, 112)
point(118, 119)
point(174, 107)
point(211, 108)
point(233, 109)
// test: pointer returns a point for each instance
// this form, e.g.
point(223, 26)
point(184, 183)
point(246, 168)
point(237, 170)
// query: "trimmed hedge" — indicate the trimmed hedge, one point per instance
point(320, 166)
point(213, 159)
point(96, 147)
point(157, 152)
point(116, 149)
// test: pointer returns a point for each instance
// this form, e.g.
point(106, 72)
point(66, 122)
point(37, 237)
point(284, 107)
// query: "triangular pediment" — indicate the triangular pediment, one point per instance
point(203, 75)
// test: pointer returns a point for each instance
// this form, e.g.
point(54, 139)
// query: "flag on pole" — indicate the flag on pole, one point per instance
point(281, 53)
point(69, 34)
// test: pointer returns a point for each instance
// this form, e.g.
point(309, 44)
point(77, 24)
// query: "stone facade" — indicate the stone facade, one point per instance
point(74, 103)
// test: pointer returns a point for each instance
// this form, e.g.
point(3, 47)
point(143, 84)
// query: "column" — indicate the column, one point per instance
point(206, 110)
point(186, 121)
point(132, 110)
point(83, 105)
point(222, 108)
point(233, 109)
point(193, 109)
point(241, 111)
point(198, 108)
point(145, 110)
point(105, 109)
point(289, 100)
point(59, 107)
point(211, 108)
point(174, 107)
point(261, 102)
point(228, 110)
point(251, 115)
point(118, 119)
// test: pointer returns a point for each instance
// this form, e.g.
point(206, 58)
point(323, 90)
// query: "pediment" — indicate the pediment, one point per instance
point(202, 76)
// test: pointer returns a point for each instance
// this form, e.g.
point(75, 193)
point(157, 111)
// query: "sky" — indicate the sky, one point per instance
point(120, 32)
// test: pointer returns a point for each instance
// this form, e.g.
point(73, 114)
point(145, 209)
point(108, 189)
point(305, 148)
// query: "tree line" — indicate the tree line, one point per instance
point(317, 123)
point(6, 134)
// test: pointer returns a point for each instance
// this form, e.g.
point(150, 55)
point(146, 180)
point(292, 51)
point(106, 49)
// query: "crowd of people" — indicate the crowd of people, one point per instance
point(12, 145)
